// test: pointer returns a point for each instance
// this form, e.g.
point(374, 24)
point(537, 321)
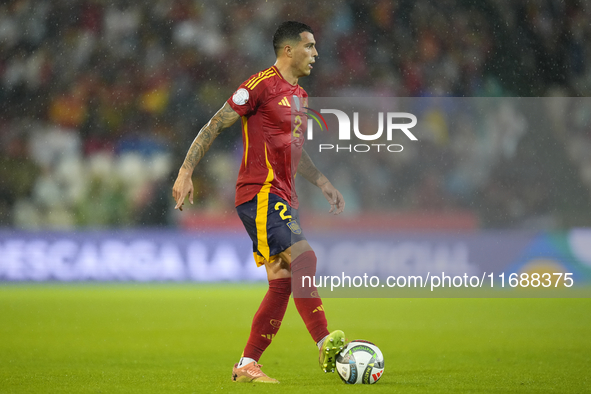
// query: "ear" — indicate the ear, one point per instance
point(288, 50)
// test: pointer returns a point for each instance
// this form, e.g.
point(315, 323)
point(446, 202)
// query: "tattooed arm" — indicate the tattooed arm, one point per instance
point(183, 186)
point(308, 170)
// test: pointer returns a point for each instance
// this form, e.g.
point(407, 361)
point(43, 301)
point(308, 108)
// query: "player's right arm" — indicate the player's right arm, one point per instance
point(183, 186)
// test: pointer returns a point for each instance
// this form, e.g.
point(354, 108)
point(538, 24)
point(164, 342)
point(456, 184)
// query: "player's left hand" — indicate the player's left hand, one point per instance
point(334, 198)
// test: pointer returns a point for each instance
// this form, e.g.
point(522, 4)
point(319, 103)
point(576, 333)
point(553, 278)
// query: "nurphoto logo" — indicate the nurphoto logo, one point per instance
point(394, 123)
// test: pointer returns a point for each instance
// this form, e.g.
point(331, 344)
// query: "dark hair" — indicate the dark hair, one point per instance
point(289, 30)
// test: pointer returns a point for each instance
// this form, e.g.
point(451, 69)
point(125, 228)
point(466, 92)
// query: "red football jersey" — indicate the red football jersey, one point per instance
point(272, 146)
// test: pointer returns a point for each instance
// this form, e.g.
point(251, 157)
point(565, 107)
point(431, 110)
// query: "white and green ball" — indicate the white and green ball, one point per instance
point(361, 362)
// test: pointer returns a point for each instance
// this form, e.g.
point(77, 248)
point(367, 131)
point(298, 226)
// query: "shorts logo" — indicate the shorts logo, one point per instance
point(240, 97)
point(275, 323)
point(294, 227)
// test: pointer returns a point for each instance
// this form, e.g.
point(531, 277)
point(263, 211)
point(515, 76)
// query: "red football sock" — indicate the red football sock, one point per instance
point(267, 320)
point(306, 297)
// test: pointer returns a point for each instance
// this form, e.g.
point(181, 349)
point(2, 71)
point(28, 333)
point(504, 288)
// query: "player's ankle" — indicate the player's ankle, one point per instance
point(320, 342)
point(245, 361)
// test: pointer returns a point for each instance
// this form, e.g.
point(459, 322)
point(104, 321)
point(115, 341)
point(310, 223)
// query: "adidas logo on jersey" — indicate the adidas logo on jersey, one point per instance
point(285, 102)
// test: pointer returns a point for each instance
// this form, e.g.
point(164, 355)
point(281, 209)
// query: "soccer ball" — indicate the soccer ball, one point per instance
point(360, 362)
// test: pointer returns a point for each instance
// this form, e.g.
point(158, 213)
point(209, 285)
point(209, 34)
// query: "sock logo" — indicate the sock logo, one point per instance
point(314, 294)
point(268, 336)
point(275, 323)
point(319, 309)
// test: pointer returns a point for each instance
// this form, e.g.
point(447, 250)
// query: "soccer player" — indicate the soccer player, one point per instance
point(265, 196)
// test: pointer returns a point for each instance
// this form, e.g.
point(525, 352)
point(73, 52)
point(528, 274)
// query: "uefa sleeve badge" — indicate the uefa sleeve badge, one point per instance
point(240, 97)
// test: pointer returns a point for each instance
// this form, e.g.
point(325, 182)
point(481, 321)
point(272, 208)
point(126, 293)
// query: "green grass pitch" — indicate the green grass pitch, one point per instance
point(166, 338)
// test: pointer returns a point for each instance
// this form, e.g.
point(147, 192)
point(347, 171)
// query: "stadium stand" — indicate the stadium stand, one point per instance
point(100, 100)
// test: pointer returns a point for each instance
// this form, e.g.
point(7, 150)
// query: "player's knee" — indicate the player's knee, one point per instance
point(299, 248)
point(278, 269)
point(279, 274)
point(304, 264)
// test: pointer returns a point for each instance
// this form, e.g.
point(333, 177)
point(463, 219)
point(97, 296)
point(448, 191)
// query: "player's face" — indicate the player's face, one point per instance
point(305, 54)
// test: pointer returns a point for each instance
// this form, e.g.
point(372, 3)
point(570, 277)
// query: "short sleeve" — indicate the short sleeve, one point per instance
point(249, 95)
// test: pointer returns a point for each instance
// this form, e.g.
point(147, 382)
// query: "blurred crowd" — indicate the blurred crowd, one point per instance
point(100, 99)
